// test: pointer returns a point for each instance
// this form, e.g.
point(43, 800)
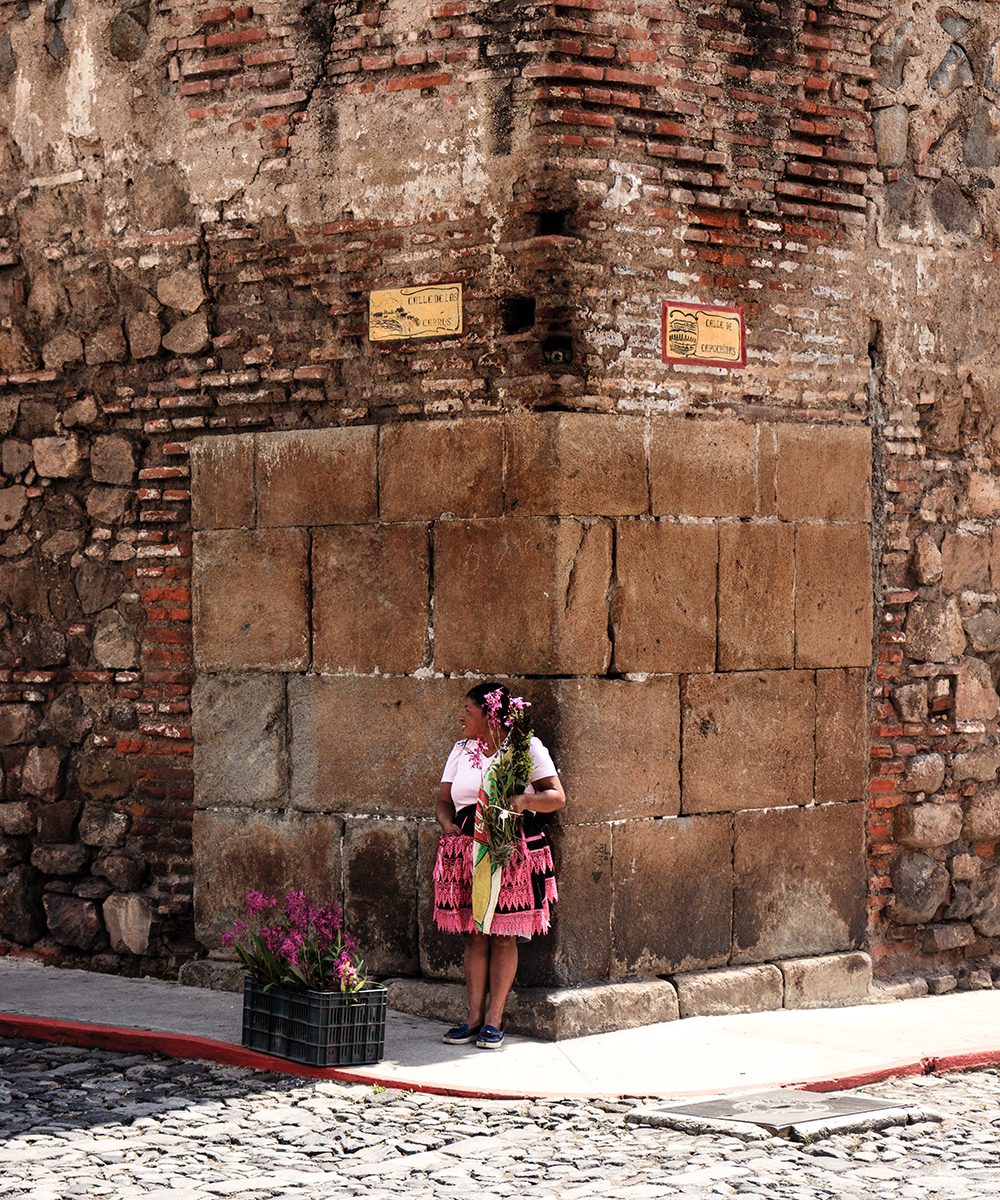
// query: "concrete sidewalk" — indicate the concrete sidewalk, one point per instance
point(818, 1048)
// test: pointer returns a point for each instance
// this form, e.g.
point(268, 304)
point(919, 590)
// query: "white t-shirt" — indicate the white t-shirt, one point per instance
point(466, 780)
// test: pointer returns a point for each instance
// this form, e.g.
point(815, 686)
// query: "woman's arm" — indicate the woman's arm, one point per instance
point(444, 810)
point(548, 797)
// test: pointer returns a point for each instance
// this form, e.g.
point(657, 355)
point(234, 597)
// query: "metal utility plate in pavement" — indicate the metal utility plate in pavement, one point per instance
point(783, 1113)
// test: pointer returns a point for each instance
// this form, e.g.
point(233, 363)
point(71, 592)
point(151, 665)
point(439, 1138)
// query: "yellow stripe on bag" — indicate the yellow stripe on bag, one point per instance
point(482, 886)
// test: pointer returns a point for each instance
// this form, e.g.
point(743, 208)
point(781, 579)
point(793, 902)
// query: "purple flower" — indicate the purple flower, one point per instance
point(519, 704)
point(297, 910)
point(477, 752)
point(257, 902)
point(494, 701)
point(272, 937)
point(240, 927)
point(227, 939)
point(290, 948)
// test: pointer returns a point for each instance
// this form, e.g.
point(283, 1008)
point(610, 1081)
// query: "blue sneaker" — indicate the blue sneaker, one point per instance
point(461, 1035)
point(490, 1038)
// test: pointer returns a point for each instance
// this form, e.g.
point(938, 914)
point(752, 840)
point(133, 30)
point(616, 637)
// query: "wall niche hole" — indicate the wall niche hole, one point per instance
point(518, 314)
point(552, 223)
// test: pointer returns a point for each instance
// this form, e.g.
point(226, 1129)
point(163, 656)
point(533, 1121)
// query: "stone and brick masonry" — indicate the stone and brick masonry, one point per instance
point(250, 560)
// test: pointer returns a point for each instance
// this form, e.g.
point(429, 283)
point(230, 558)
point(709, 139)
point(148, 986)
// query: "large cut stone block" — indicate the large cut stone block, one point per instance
point(800, 882)
point(380, 893)
point(549, 1013)
point(440, 953)
point(522, 596)
point(730, 990)
point(826, 981)
point(222, 492)
point(615, 743)
point(238, 723)
point(571, 1012)
point(250, 600)
point(430, 469)
point(702, 468)
point(665, 872)
point(371, 745)
point(578, 946)
point(235, 850)
point(756, 590)
point(371, 602)
point(833, 596)
point(748, 740)
point(316, 477)
point(841, 734)
point(578, 464)
point(664, 611)
point(824, 472)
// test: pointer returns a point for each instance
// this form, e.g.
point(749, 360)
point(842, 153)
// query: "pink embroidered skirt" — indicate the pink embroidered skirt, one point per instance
point(527, 892)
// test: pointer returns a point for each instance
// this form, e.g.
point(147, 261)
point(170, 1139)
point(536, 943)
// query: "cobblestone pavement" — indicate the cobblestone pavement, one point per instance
point(91, 1123)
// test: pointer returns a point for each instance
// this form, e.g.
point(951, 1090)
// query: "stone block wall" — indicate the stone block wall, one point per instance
point(701, 678)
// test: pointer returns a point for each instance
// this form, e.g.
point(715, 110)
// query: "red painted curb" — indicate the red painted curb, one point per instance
point(900, 1070)
point(190, 1046)
point(966, 1062)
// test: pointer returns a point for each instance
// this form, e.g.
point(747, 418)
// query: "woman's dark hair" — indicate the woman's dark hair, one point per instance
point(479, 693)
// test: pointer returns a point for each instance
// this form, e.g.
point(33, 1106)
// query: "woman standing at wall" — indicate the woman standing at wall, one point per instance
point(527, 884)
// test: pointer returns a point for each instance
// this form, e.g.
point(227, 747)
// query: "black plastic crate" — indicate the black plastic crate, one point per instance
point(323, 1029)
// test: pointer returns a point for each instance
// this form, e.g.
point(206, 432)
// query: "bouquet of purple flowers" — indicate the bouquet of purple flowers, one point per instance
point(507, 775)
point(296, 944)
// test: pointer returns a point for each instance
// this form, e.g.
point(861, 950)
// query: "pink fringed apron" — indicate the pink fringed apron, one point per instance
point(527, 886)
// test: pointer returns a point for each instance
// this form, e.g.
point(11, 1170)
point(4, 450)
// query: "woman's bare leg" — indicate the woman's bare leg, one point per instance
point(477, 970)
point(503, 968)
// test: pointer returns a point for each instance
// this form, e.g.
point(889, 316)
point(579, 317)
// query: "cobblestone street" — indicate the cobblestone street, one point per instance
point(80, 1123)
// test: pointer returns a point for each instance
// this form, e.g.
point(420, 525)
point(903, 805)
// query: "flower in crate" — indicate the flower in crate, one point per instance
point(296, 944)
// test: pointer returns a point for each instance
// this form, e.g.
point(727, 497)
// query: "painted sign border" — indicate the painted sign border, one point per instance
point(703, 362)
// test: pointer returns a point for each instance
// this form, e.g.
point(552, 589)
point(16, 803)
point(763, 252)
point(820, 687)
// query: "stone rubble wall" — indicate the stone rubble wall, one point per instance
point(194, 204)
point(934, 820)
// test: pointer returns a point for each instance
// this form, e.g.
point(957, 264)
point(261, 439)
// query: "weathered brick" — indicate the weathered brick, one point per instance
point(833, 596)
point(249, 598)
point(756, 593)
point(551, 618)
point(429, 469)
point(664, 871)
point(703, 468)
point(824, 472)
point(576, 464)
point(664, 610)
point(316, 477)
point(810, 898)
point(747, 740)
point(371, 745)
point(370, 598)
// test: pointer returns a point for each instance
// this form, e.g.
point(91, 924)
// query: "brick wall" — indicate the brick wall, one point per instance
point(194, 204)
